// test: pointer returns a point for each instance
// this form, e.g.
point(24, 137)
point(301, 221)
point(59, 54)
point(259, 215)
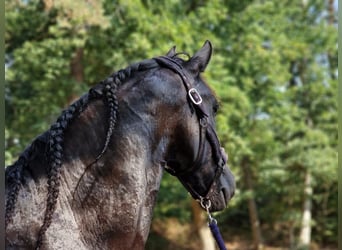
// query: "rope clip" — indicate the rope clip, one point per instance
point(206, 204)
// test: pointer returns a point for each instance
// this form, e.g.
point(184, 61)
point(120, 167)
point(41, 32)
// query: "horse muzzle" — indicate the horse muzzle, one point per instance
point(223, 192)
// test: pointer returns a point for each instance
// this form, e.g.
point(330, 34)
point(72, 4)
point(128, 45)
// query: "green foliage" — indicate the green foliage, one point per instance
point(173, 200)
point(273, 69)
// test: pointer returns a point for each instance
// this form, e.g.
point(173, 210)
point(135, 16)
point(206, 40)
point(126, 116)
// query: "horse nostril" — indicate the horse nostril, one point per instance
point(232, 193)
point(226, 194)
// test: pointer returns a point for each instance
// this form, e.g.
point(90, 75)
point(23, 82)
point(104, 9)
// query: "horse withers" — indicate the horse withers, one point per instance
point(91, 180)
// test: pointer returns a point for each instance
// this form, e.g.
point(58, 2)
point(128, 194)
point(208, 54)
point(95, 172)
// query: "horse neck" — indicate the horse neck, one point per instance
point(129, 151)
point(122, 185)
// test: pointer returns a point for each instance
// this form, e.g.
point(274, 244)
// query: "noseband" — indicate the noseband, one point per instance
point(206, 131)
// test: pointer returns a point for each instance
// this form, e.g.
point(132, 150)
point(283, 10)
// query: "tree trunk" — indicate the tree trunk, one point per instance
point(76, 66)
point(305, 233)
point(201, 227)
point(76, 71)
point(332, 59)
point(253, 211)
point(292, 244)
point(48, 4)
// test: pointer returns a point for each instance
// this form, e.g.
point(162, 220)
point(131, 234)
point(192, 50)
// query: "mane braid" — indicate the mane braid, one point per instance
point(55, 158)
point(15, 177)
point(108, 91)
point(111, 85)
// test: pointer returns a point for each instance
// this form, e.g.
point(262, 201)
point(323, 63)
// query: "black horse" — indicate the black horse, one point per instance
point(91, 180)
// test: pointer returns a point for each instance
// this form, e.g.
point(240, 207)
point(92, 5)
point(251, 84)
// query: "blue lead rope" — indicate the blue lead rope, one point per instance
point(216, 233)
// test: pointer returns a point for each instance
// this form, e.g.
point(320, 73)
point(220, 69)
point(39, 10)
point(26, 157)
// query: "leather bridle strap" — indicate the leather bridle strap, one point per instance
point(206, 130)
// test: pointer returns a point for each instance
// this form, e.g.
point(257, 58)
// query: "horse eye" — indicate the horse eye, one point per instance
point(216, 108)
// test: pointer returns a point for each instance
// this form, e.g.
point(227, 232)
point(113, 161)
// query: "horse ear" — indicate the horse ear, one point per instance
point(200, 60)
point(171, 52)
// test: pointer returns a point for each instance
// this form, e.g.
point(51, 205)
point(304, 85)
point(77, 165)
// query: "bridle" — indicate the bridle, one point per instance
point(206, 131)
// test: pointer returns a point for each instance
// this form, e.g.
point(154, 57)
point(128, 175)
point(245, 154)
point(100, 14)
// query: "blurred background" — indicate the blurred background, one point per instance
point(274, 70)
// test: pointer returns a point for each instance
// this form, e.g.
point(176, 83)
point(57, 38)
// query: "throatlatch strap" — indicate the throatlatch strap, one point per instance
point(215, 145)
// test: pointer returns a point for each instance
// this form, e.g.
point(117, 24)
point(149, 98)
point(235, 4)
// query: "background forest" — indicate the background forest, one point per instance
point(274, 70)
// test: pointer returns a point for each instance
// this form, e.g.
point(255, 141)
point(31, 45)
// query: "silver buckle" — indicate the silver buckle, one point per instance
point(195, 97)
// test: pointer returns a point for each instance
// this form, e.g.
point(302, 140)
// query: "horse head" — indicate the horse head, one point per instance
point(194, 154)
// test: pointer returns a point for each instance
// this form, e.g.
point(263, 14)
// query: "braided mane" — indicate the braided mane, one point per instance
point(105, 90)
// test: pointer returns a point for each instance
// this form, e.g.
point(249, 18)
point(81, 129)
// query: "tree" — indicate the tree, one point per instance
point(269, 126)
point(274, 71)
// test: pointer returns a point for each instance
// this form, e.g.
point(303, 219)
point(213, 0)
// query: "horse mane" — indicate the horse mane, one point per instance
point(54, 138)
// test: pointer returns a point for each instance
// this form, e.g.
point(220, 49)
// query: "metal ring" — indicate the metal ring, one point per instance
point(203, 205)
point(204, 122)
point(211, 220)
